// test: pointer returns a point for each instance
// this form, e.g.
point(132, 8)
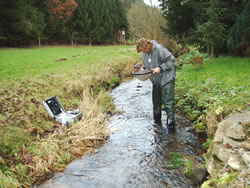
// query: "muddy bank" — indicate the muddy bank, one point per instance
point(137, 154)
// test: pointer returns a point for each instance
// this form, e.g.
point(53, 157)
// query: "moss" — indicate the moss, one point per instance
point(200, 126)
point(227, 178)
point(208, 184)
point(175, 160)
point(188, 168)
point(223, 181)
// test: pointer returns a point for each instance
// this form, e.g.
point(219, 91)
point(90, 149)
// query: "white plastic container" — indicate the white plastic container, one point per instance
point(56, 111)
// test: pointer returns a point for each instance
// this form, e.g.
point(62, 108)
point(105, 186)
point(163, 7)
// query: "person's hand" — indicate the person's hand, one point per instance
point(138, 67)
point(156, 70)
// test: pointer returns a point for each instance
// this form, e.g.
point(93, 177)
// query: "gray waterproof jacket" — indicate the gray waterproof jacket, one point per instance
point(160, 57)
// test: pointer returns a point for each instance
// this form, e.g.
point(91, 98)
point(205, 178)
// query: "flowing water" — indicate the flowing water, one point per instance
point(137, 152)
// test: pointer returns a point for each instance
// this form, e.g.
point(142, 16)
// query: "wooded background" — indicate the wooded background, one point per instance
point(220, 25)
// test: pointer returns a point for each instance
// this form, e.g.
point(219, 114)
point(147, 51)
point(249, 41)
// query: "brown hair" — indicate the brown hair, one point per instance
point(144, 44)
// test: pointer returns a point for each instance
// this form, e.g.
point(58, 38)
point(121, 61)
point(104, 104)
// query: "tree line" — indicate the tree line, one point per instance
point(220, 25)
point(23, 22)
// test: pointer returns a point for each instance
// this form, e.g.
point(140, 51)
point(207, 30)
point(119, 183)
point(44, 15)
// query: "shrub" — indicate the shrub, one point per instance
point(194, 57)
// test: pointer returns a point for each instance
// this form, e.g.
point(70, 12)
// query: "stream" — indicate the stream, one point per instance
point(137, 152)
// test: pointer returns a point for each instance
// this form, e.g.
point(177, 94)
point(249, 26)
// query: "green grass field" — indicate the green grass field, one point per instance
point(228, 71)
point(16, 63)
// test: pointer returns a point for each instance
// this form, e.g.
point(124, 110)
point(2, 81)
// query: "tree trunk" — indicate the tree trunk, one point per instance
point(39, 41)
point(212, 54)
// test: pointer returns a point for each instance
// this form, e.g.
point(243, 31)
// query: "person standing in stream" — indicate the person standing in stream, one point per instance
point(157, 58)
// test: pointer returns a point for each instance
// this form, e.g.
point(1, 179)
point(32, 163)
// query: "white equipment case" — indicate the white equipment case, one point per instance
point(56, 111)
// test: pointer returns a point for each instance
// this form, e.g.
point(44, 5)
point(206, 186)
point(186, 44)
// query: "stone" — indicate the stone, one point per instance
point(200, 173)
point(230, 150)
point(213, 165)
point(220, 151)
point(228, 142)
point(235, 131)
point(243, 117)
point(246, 158)
point(220, 132)
point(246, 144)
point(233, 127)
point(234, 162)
point(210, 165)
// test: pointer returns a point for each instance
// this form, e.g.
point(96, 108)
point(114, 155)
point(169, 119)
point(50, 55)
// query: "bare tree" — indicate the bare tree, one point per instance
point(146, 22)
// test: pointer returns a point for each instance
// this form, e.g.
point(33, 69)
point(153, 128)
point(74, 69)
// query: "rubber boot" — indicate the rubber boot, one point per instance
point(170, 124)
point(156, 98)
point(157, 118)
point(169, 101)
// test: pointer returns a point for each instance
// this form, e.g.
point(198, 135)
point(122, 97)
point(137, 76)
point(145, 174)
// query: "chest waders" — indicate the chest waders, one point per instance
point(164, 95)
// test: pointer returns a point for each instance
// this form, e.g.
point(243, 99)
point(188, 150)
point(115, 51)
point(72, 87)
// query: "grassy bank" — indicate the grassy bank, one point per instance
point(207, 93)
point(32, 145)
point(212, 91)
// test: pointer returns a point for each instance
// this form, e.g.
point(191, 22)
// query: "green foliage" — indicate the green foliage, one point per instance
point(217, 89)
point(34, 21)
point(93, 21)
point(12, 23)
point(211, 36)
point(175, 160)
point(113, 82)
point(225, 180)
point(189, 23)
point(99, 21)
point(21, 172)
point(194, 57)
point(239, 36)
point(188, 168)
point(206, 145)
point(107, 104)
point(12, 139)
point(65, 158)
point(8, 179)
point(200, 126)
point(178, 14)
point(80, 19)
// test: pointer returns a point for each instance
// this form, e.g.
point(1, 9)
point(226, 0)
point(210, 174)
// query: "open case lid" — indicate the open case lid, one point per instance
point(53, 106)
